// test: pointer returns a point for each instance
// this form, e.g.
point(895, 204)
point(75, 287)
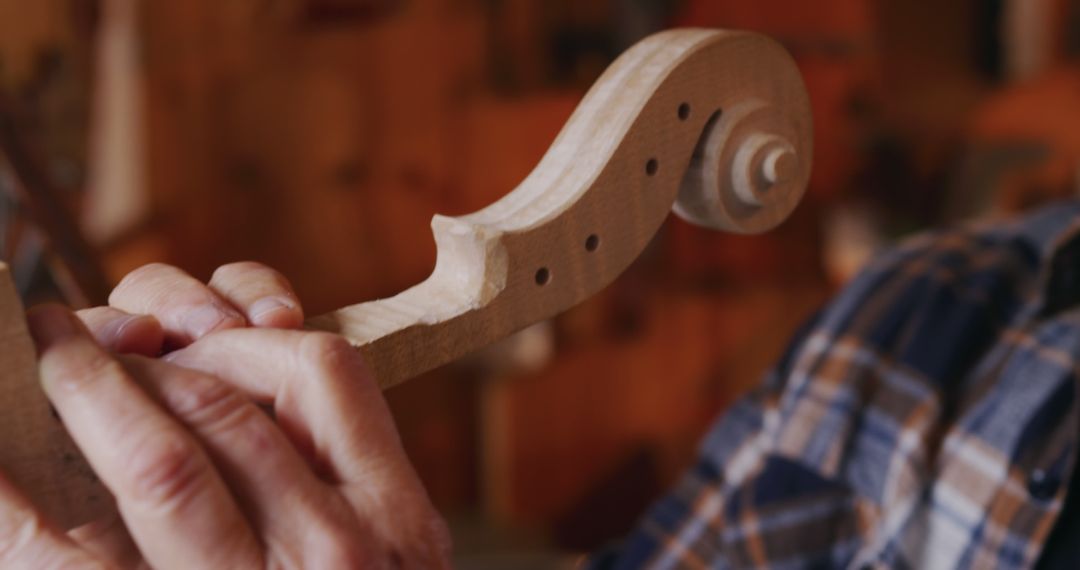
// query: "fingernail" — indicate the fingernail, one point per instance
point(268, 305)
point(204, 319)
point(116, 328)
point(49, 324)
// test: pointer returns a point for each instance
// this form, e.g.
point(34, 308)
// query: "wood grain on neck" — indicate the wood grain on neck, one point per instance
point(37, 454)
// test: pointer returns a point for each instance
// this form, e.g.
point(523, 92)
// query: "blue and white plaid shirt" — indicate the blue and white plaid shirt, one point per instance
point(927, 418)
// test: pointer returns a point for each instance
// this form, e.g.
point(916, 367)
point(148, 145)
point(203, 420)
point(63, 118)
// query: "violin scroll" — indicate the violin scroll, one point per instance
point(714, 123)
point(749, 171)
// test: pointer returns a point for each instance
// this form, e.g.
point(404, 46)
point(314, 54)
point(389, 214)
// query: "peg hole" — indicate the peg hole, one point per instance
point(652, 167)
point(543, 276)
point(592, 243)
point(684, 111)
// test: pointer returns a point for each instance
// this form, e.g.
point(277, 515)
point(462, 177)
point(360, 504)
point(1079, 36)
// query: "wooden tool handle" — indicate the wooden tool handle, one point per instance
point(715, 122)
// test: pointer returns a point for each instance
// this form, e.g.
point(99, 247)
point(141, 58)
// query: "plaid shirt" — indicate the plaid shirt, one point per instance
point(926, 418)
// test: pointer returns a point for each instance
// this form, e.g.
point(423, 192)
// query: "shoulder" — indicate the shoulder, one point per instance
point(941, 288)
point(892, 353)
point(918, 318)
point(919, 314)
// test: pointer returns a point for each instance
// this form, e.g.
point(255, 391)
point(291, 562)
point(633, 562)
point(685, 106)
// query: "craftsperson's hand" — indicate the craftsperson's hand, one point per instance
point(204, 478)
point(160, 307)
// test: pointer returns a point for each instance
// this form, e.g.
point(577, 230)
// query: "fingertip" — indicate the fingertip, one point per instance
point(124, 333)
point(185, 307)
point(278, 311)
point(262, 294)
point(139, 334)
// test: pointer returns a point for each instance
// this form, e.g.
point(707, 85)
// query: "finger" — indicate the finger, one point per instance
point(28, 541)
point(124, 333)
point(301, 520)
point(186, 308)
point(176, 506)
point(109, 540)
point(327, 402)
point(261, 293)
point(324, 397)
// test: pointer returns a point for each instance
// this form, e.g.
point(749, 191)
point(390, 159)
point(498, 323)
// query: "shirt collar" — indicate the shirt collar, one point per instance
point(1053, 235)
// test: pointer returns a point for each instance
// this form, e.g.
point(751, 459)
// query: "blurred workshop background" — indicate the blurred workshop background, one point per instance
point(319, 136)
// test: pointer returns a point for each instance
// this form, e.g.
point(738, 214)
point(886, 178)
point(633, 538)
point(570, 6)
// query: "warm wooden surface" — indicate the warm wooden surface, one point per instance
point(715, 122)
point(36, 453)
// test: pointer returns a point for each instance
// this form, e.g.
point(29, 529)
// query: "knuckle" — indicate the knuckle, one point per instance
point(326, 354)
point(207, 402)
point(164, 470)
point(156, 288)
point(77, 368)
point(331, 364)
point(99, 364)
point(216, 408)
point(137, 277)
point(262, 437)
point(247, 269)
point(236, 268)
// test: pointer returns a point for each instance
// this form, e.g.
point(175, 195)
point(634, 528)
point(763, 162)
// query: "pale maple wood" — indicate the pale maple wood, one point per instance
point(714, 123)
point(35, 452)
